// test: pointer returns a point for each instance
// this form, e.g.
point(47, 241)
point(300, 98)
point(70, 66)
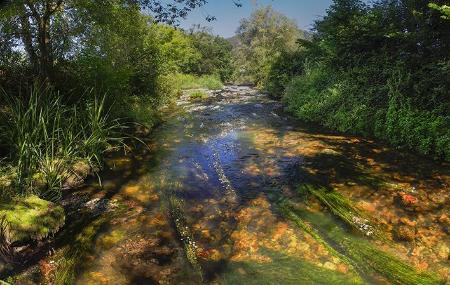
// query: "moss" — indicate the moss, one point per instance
point(31, 217)
point(109, 240)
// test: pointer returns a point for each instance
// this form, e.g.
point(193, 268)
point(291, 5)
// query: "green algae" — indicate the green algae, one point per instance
point(186, 237)
point(343, 208)
point(73, 257)
point(31, 218)
point(361, 253)
point(287, 210)
point(283, 269)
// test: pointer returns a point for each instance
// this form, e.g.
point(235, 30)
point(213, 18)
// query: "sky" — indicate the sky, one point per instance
point(304, 12)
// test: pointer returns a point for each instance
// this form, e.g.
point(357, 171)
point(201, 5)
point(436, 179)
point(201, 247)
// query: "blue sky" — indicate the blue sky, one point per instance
point(304, 12)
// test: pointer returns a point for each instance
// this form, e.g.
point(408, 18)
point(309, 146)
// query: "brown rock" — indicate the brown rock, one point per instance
point(405, 233)
point(407, 222)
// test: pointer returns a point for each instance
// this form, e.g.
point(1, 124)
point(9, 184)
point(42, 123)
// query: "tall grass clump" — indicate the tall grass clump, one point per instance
point(44, 137)
point(189, 81)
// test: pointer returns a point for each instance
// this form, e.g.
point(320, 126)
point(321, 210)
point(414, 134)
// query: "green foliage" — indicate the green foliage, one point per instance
point(178, 49)
point(131, 61)
point(363, 74)
point(444, 9)
point(215, 55)
point(262, 39)
point(283, 69)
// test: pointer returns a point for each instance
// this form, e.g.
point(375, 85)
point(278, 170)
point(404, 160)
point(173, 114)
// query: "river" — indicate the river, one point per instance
point(232, 190)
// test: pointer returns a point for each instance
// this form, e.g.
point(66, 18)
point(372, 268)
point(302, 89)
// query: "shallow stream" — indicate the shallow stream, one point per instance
point(215, 199)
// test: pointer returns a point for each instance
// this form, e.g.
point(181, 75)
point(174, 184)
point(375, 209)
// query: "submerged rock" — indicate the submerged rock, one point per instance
point(405, 233)
point(406, 201)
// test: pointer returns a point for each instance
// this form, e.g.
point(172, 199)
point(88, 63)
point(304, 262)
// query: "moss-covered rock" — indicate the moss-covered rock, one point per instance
point(31, 218)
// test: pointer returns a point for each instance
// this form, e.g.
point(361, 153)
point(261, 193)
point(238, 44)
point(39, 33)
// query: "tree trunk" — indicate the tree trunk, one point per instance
point(45, 59)
point(27, 39)
point(41, 18)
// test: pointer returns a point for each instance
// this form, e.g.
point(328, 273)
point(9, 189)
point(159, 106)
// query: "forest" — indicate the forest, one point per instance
point(85, 82)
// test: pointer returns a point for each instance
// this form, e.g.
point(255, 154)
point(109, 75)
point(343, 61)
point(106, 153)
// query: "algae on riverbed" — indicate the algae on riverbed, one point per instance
point(343, 208)
point(284, 269)
point(361, 253)
point(185, 235)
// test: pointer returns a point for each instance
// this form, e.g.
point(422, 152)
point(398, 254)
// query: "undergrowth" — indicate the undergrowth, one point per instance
point(43, 137)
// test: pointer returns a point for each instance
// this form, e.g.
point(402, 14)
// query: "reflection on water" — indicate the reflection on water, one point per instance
point(202, 204)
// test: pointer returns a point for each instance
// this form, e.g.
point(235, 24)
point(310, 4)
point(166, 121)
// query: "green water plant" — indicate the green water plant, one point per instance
point(283, 269)
point(343, 208)
point(198, 95)
point(189, 81)
point(361, 253)
point(185, 234)
point(72, 257)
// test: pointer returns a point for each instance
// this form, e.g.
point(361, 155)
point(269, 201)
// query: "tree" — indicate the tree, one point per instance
point(35, 23)
point(215, 53)
point(262, 38)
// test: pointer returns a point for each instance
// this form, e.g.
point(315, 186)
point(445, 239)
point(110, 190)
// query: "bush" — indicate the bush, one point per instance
point(362, 73)
point(346, 102)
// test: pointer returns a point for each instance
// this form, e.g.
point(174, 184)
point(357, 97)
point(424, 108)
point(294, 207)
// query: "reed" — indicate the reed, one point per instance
point(44, 137)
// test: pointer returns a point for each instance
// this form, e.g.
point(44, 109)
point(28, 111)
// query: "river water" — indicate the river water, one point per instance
point(215, 199)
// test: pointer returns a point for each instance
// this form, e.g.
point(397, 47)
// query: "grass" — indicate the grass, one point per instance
point(44, 137)
point(198, 95)
point(189, 81)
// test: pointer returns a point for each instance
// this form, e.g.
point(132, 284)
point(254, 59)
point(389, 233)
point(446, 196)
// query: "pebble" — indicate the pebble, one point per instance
point(329, 265)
